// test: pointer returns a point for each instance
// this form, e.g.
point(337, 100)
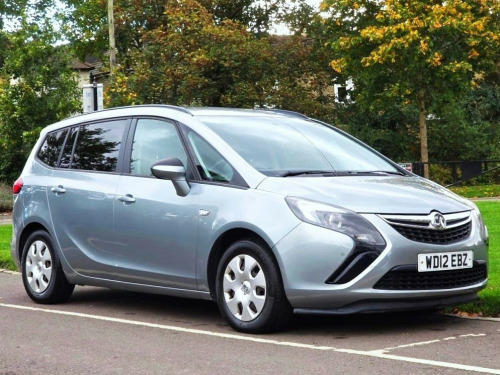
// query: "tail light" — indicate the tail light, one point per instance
point(18, 185)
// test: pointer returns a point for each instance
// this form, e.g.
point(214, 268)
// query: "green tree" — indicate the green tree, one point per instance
point(470, 127)
point(413, 52)
point(192, 59)
point(304, 79)
point(37, 88)
point(195, 58)
point(86, 27)
point(390, 131)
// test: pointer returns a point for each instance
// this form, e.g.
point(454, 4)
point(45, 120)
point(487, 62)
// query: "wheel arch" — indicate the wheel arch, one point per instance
point(223, 242)
point(26, 232)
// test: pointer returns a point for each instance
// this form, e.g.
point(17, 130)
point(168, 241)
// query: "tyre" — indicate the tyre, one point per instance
point(249, 289)
point(43, 277)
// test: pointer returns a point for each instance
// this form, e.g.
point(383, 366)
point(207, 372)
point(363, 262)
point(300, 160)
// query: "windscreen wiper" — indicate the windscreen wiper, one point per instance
point(308, 172)
point(398, 173)
point(369, 173)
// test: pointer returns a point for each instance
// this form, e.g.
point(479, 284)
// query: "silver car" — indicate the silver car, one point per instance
point(265, 212)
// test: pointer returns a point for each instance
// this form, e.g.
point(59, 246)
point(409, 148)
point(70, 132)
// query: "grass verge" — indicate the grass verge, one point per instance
point(489, 302)
point(480, 191)
point(488, 305)
point(5, 259)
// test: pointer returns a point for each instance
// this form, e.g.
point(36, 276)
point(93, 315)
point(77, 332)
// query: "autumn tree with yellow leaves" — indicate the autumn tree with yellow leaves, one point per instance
point(419, 53)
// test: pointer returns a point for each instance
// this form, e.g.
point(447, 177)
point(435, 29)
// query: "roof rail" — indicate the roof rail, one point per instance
point(180, 109)
point(177, 108)
point(284, 112)
point(169, 106)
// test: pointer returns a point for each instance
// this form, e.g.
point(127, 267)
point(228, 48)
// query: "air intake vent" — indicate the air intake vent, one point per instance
point(408, 278)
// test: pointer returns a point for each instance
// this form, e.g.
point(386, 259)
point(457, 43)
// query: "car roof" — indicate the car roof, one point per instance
point(206, 111)
point(174, 112)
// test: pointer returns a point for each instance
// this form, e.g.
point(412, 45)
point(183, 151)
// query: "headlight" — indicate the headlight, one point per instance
point(338, 219)
point(483, 230)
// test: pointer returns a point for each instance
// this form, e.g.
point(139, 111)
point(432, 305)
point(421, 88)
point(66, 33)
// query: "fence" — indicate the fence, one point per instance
point(455, 172)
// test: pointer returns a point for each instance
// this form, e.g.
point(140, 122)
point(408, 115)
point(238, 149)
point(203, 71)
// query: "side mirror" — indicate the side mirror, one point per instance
point(172, 169)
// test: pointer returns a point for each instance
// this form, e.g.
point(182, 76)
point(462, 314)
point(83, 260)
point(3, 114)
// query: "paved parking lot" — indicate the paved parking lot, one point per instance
point(100, 331)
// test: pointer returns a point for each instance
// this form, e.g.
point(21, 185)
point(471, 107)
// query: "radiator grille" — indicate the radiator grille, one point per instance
point(441, 237)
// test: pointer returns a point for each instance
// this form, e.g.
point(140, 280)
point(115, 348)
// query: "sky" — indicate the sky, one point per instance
point(278, 29)
point(283, 30)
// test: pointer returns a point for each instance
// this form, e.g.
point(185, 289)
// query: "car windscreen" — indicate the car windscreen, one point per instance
point(276, 145)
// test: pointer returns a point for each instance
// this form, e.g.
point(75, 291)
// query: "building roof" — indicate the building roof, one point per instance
point(76, 64)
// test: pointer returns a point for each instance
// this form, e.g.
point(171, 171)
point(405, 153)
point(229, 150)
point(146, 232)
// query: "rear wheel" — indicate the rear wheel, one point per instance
point(249, 289)
point(43, 277)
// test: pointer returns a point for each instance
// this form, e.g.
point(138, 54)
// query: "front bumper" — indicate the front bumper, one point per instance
point(379, 306)
point(310, 254)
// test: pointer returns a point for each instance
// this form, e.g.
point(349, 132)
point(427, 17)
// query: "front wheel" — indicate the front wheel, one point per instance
point(249, 289)
point(43, 277)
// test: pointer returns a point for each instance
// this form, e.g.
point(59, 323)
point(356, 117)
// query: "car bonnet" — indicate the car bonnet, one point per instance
point(371, 194)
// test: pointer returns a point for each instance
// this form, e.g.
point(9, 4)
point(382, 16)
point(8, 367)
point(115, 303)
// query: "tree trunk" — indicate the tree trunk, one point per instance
point(424, 153)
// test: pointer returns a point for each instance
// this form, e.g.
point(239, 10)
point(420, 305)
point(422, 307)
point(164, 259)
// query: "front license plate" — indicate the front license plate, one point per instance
point(445, 261)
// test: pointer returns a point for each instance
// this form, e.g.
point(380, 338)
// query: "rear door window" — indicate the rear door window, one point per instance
point(98, 146)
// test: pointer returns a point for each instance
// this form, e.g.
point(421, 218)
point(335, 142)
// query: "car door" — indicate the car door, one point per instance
point(81, 195)
point(155, 229)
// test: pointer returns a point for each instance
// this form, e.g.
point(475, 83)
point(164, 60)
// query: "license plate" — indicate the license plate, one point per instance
point(445, 261)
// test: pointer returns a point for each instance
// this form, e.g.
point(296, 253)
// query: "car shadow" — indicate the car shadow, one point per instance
point(195, 313)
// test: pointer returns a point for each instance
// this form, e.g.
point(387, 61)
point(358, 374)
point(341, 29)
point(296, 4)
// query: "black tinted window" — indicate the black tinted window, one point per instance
point(98, 146)
point(51, 148)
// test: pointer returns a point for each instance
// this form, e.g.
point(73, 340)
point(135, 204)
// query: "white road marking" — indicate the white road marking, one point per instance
point(170, 328)
point(422, 361)
point(385, 350)
point(374, 354)
point(408, 345)
point(473, 335)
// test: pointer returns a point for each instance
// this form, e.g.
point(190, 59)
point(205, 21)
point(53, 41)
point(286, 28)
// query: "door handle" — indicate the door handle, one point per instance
point(128, 198)
point(58, 189)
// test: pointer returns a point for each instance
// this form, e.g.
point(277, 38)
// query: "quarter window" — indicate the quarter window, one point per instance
point(98, 146)
point(155, 140)
point(51, 148)
point(211, 165)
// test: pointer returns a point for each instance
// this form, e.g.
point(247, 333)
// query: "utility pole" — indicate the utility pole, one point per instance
point(112, 46)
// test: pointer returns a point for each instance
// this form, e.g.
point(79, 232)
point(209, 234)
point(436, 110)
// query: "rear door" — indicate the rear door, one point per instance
point(82, 192)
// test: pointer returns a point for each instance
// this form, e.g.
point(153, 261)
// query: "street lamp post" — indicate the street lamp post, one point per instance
point(112, 47)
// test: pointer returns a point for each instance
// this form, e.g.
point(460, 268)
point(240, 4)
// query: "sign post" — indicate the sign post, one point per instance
point(92, 97)
point(406, 166)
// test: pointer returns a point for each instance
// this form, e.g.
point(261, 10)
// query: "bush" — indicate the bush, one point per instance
point(440, 174)
point(5, 198)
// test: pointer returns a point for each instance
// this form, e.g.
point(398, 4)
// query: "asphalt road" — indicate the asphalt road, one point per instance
point(100, 331)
